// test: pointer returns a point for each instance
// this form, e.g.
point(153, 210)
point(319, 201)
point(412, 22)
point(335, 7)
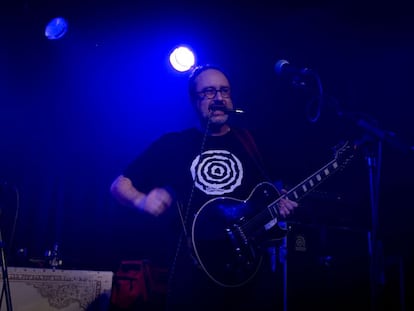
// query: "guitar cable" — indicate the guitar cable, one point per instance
point(183, 219)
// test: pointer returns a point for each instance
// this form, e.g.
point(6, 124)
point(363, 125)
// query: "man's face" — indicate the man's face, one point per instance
point(211, 86)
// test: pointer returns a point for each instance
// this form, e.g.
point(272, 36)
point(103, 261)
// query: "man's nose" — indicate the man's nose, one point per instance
point(218, 95)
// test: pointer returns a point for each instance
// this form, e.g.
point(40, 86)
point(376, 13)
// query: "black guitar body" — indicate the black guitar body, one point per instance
point(227, 234)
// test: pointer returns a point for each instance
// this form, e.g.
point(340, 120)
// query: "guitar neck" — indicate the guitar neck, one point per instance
point(271, 213)
point(309, 184)
point(297, 193)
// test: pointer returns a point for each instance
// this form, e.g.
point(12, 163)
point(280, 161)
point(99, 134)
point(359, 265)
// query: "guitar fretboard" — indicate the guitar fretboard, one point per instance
point(308, 185)
point(312, 181)
point(269, 216)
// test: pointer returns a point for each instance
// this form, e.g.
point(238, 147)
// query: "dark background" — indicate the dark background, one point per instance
point(75, 111)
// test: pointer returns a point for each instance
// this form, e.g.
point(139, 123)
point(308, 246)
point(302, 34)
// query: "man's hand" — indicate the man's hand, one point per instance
point(286, 206)
point(156, 201)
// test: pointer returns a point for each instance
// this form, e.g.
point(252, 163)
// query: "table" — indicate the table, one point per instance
point(37, 289)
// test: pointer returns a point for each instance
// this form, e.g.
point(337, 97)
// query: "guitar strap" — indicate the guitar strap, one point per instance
point(247, 140)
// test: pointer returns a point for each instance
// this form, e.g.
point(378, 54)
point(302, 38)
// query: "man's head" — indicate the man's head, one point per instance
point(209, 85)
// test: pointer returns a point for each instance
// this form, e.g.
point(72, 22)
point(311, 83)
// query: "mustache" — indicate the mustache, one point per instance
point(221, 106)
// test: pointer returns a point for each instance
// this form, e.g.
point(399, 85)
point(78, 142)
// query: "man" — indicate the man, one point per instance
point(179, 176)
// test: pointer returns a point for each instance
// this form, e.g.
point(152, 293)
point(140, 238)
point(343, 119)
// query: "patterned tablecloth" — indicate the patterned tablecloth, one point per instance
point(34, 289)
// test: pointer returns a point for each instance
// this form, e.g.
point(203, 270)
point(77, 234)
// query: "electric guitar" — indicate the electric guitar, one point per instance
point(226, 235)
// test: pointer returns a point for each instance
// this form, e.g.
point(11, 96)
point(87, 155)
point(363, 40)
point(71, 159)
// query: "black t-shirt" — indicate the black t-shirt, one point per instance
point(195, 169)
point(173, 162)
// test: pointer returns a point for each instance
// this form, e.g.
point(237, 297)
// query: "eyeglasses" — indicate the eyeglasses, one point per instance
point(211, 92)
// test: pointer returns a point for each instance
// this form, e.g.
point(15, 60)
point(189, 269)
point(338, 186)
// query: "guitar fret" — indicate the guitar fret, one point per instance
point(312, 181)
point(273, 211)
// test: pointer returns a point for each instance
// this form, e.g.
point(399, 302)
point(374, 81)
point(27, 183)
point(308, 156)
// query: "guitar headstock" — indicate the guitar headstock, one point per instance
point(344, 153)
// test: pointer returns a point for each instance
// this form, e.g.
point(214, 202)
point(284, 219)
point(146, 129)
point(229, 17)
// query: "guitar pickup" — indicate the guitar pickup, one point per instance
point(270, 224)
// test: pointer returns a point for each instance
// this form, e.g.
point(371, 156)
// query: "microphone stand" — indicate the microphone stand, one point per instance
point(373, 141)
point(376, 135)
point(373, 160)
point(6, 286)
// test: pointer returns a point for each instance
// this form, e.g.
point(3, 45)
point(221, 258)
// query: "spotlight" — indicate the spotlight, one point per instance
point(182, 59)
point(56, 28)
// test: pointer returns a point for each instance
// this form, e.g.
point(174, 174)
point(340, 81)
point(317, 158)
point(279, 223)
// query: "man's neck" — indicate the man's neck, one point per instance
point(214, 129)
point(219, 130)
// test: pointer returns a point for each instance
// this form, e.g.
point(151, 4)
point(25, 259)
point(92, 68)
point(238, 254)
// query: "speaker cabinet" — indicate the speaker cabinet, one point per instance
point(327, 268)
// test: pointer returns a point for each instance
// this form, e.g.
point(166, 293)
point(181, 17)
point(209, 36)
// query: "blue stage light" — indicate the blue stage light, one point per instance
point(182, 58)
point(56, 28)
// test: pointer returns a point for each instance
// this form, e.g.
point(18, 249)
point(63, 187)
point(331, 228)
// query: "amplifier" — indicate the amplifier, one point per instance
point(327, 268)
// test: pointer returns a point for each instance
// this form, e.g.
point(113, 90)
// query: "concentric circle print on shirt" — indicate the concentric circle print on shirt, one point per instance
point(217, 173)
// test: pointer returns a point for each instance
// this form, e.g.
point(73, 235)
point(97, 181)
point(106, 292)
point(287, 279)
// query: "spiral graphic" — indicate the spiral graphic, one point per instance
point(217, 172)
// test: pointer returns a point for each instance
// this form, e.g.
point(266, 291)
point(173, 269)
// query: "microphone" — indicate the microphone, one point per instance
point(283, 67)
point(219, 105)
point(304, 78)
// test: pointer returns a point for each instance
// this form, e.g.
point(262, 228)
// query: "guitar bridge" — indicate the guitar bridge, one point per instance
point(243, 251)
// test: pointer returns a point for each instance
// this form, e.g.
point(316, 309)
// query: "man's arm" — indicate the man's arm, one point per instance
point(155, 202)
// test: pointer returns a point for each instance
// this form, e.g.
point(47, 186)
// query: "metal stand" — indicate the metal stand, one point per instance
point(372, 141)
point(6, 286)
point(377, 278)
point(283, 259)
point(376, 136)
point(277, 251)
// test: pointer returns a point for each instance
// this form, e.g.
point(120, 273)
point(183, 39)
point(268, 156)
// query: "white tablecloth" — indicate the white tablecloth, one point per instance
point(34, 289)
